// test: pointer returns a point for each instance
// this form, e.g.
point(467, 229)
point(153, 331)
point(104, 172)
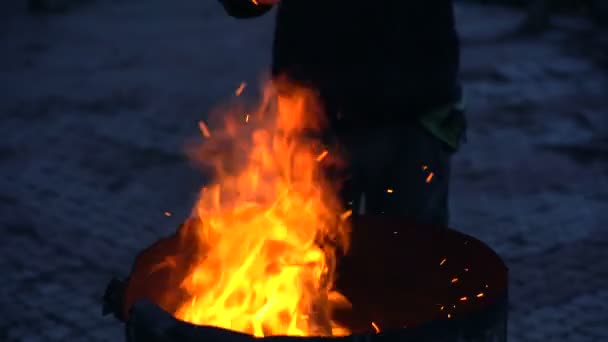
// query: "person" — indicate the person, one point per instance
point(386, 72)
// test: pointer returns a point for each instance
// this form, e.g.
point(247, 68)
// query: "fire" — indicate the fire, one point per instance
point(271, 224)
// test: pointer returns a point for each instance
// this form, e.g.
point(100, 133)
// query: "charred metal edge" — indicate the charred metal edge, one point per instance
point(148, 322)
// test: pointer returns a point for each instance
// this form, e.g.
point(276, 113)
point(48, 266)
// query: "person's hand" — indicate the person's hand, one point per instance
point(265, 2)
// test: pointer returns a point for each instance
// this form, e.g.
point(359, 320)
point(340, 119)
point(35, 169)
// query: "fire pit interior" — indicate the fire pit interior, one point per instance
point(427, 283)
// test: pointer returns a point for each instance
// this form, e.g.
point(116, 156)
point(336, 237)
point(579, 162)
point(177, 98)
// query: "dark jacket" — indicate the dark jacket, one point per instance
point(369, 58)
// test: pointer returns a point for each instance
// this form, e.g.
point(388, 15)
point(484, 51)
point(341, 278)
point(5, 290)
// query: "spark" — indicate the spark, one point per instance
point(429, 178)
point(246, 117)
point(376, 327)
point(242, 86)
point(168, 213)
point(464, 299)
point(389, 191)
point(322, 156)
point(443, 262)
point(454, 280)
point(346, 215)
point(479, 295)
point(204, 129)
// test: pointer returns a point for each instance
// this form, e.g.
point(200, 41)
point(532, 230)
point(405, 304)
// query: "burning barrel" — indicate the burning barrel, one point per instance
point(405, 282)
point(276, 255)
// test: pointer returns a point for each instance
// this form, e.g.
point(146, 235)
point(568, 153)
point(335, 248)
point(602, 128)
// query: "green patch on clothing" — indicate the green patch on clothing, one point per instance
point(447, 124)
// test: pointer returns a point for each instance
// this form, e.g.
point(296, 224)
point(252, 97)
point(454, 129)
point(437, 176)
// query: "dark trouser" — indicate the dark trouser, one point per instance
point(395, 168)
point(400, 170)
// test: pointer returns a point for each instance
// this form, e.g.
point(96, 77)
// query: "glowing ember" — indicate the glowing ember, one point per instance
point(479, 295)
point(376, 327)
point(322, 156)
point(167, 213)
point(429, 178)
point(271, 225)
point(389, 191)
point(240, 89)
point(346, 215)
point(454, 280)
point(463, 299)
point(443, 262)
point(204, 129)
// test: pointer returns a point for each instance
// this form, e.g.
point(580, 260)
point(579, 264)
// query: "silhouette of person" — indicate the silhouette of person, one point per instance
point(386, 72)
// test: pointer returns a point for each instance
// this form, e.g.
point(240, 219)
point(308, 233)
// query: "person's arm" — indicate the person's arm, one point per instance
point(243, 9)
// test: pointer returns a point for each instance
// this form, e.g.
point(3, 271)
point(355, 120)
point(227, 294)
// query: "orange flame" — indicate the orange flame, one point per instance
point(271, 225)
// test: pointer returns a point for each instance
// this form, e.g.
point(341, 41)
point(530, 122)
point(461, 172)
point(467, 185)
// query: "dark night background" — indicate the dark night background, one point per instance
point(97, 100)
